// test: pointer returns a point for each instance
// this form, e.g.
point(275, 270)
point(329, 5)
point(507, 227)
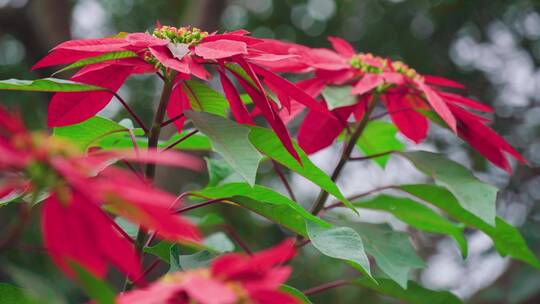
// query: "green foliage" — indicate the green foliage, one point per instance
point(379, 137)
point(338, 96)
point(340, 243)
point(414, 294)
point(266, 202)
point(472, 194)
point(296, 293)
point(230, 140)
point(97, 289)
point(10, 294)
point(97, 59)
point(268, 143)
point(90, 131)
point(417, 215)
point(506, 238)
point(205, 99)
point(47, 85)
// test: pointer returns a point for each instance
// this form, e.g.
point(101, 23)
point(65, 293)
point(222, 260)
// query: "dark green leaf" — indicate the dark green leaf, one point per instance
point(97, 59)
point(162, 250)
point(414, 294)
point(266, 202)
point(89, 131)
point(340, 243)
point(10, 294)
point(230, 140)
point(205, 99)
point(35, 287)
point(219, 172)
point(379, 137)
point(268, 143)
point(98, 290)
point(392, 251)
point(47, 85)
point(338, 96)
point(472, 194)
point(506, 238)
point(418, 216)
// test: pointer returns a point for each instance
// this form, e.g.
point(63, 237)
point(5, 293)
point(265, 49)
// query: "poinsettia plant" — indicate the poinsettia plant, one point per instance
point(93, 179)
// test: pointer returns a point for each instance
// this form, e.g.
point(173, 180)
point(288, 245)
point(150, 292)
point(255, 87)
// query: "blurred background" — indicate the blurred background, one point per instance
point(491, 46)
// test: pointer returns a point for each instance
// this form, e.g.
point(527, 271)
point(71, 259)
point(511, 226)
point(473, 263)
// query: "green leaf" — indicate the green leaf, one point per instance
point(197, 260)
point(266, 202)
point(379, 137)
point(392, 251)
point(205, 99)
point(268, 143)
point(97, 59)
point(129, 228)
point(338, 96)
point(418, 216)
point(161, 250)
point(89, 131)
point(35, 287)
point(295, 293)
point(95, 288)
point(196, 142)
point(219, 242)
point(230, 140)
point(472, 194)
point(414, 294)
point(10, 294)
point(340, 243)
point(219, 172)
point(209, 219)
point(47, 85)
point(506, 238)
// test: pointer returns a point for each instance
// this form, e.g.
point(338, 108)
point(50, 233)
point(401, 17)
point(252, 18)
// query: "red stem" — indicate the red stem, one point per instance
point(181, 139)
point(325, 287)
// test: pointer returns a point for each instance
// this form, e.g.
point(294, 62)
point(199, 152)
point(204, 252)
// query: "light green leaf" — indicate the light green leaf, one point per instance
point(98, 59)
point(472, 194)
point(196, 142)
point(205, 99)
point(506, 238)
point(129, 228)
point(268, 143)
point(219, 172)
point(392, 251)
point(34, 286)
point(414, 294)
point(95, 288)
point(340, 243)
point(266, 202)
point(338, 96)
point(219, 242)
point(47, 85)
point(90, 131)
point(418, 216)
point(295, 293)
point(196, 260)
point(379, 137)
point(230, 140)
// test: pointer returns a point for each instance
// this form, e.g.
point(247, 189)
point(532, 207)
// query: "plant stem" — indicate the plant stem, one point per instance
point(234, 235)
point(181, 139)
point(131, 111)
point(153, 137)
point(284, 180)
point(325, 287)
point(196, 206)
point(345, 156)
point(357, 196)
point(371, 156)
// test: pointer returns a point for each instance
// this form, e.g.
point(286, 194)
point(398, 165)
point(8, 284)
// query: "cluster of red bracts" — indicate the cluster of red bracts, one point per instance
point(407, 95)
point(231, 278)
point(74, 226)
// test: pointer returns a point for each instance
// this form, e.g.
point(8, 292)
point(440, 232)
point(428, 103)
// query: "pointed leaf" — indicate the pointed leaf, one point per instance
point(340, 243)
point(205, 99)
point(506, 238)
point(295, 293)
point(90, 131)
point(338, 96)
point(268, 143)
point(473, 195)
point(379, 137)
point(414, 294)
point(392, 250)
point(95, 288)
point(266, 202)
point(230, 140)
point(47, 85)
point(418, 216)
point(97, 59)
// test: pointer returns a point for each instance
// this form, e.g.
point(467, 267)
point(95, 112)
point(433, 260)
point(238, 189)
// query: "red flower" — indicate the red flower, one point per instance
point(74, 226)
point(406, 94)
point(186, 51)
point(231, 278)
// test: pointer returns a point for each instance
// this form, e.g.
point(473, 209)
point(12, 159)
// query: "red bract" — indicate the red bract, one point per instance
point(232, 278)
point(410, 99)
point(74, 226)
point(179, 53)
